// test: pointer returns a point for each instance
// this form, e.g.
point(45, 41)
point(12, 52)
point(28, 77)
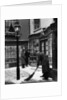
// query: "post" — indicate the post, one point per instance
point(18, 69)
point(17, 30)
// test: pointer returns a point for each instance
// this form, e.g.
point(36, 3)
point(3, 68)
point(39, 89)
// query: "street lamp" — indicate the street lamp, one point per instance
point(17, 30)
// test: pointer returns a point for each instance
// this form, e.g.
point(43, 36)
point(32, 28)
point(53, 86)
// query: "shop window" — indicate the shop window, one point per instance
point(47, 48)
point(10, 56)
point(42, 47)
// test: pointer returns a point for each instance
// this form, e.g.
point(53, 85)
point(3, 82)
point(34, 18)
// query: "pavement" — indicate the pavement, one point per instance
point(10, 75)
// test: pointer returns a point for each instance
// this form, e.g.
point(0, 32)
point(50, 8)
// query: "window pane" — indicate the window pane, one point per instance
point(36, 23)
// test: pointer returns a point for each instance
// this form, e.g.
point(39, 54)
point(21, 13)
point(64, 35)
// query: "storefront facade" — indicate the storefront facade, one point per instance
point(11, 41)
point(45, 42)
point(11, 51)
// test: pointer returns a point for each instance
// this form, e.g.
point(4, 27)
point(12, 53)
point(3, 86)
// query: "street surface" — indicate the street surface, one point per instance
point(10, 75)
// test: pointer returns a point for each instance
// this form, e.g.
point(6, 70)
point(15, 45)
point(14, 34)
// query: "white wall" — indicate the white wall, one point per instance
point(46, 22)
point(31, 26)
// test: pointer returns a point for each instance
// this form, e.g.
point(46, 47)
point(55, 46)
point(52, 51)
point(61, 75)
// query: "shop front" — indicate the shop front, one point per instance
point(11, 51)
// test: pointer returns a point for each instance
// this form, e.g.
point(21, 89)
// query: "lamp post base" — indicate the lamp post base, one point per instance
point(18, 73)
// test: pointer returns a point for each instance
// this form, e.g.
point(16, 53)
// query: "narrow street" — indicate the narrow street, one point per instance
point(30, 38)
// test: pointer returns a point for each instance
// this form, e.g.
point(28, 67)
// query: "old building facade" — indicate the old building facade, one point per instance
point(38, 35)
point(10, 40)
point(40, 38)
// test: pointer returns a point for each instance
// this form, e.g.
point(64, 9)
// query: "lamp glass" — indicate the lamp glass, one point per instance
point(17, 29)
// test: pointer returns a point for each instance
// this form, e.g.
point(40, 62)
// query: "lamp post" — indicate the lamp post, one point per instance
point(17, 30)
